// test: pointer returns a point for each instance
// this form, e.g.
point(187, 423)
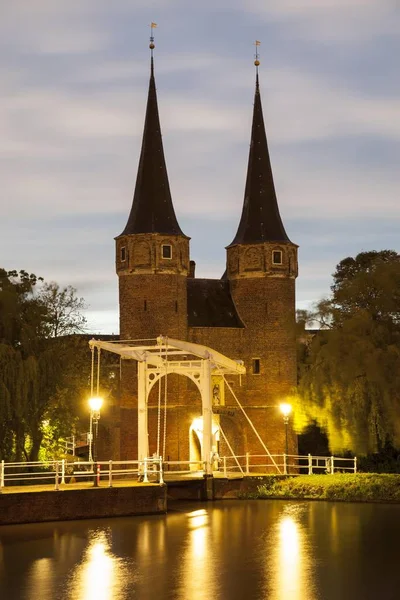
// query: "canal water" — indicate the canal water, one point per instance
point(229, 550)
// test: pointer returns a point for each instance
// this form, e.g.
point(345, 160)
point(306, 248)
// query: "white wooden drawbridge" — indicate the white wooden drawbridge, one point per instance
point(162, 356)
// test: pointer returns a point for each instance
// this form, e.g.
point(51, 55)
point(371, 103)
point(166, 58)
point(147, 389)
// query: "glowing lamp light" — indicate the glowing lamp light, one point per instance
point(197, 425)
point(95, 404)
point(286, 409)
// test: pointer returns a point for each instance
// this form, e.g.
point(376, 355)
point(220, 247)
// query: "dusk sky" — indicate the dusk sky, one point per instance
point(74, 78)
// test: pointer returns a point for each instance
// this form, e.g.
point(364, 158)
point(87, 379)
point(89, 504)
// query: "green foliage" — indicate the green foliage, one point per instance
point(360, 487)
point(385, 461)
point(349, 377)
point(370, 282)
point(35, 361)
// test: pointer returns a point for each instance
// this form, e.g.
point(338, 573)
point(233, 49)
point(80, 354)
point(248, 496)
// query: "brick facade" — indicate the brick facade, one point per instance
point(155, 302)
point(247, 315)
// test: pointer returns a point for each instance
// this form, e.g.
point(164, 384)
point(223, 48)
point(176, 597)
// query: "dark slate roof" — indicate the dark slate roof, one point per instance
point(210, 304)
point(152, 209)
point(260, 221)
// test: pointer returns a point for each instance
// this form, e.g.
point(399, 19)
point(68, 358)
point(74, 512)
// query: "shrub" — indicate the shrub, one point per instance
point(364, 487)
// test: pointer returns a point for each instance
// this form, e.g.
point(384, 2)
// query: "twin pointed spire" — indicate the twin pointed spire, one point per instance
point(152, 209)
point(260, 221)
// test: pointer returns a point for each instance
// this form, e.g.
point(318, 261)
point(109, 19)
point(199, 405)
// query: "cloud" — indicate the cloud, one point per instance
point(327, 192)
point(102, 321)
point(75, 76)
point(304, 8)
point(74, 154)
point(304, 107)
point(329, 21)
point(42, 27)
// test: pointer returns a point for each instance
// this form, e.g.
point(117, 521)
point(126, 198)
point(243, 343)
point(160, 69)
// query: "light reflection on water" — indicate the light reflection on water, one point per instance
point(101, 575)
point(291, 562)
point(197, 569)
point(41, 575)
point(272, 550)
point(289, 553)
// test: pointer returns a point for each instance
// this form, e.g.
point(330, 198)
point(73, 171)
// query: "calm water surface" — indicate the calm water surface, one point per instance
point(222, 551)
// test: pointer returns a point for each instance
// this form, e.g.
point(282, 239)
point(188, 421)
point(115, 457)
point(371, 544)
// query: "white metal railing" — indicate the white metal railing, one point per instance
point(154, 469)
point(293, 464)
point(73, 442)
point(69, 444)
point(59, 472)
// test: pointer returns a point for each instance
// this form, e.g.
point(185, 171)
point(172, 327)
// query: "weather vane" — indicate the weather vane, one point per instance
point(151, 45)
point(257, 56)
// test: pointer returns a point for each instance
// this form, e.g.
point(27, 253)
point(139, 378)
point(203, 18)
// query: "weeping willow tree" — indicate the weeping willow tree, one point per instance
point(33, 361)
point(350, 370)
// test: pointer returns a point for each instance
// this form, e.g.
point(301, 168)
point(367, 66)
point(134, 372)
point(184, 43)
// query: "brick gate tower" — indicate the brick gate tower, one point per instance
point(152, 253)
point(261, 270)
point(248, 314)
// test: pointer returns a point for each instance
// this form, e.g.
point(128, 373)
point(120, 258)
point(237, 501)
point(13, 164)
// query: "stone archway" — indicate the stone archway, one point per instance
point(194, 448)
point(196, 441)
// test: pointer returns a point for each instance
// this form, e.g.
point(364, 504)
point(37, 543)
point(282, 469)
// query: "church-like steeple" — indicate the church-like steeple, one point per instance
point(260, 221)
point(152, 209)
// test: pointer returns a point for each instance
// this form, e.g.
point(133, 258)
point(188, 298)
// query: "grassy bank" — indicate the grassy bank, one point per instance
point(362, 487)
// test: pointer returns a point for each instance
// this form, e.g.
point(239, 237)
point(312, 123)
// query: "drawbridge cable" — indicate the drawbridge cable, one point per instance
point(98, 372)
point(165, 396)
point(230, 448)
point(252, 426)
point(159, 410)
point(92, 373)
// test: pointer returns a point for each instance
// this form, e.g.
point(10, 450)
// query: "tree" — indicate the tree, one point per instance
point(370, 283)
point(21, 328)
point(34, 357)
point(350, 375)
point(63, 310)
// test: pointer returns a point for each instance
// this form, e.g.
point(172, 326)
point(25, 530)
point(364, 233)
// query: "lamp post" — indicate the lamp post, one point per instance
point(286, 409)
point(95, 404)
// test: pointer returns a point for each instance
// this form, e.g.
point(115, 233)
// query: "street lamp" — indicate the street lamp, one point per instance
point(95, 406)
point(286, 409)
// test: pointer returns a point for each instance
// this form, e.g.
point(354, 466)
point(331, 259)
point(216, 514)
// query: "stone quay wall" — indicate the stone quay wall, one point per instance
point(94, 503)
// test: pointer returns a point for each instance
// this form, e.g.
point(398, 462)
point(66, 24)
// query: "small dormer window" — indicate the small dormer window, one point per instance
point(123, 254)
point(277, 257)
point(166, 251)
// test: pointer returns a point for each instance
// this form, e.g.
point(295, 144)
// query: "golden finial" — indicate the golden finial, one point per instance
point(257, 56)
point(151, 45)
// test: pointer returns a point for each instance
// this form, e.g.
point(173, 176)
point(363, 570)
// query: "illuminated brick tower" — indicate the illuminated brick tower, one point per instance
point(248, 314)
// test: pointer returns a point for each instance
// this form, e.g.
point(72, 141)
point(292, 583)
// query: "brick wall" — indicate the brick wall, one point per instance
point(37, 507)
point(151, 305)
point(154, 301)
